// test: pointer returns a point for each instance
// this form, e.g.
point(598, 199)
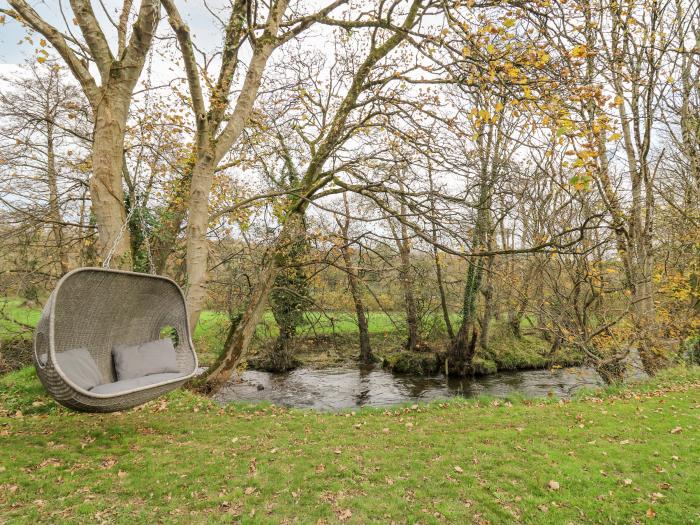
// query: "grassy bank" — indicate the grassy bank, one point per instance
point(330, 339)
point(628, 456)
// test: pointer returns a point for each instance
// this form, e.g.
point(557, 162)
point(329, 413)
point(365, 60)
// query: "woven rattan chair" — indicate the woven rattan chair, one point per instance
point(96, 309)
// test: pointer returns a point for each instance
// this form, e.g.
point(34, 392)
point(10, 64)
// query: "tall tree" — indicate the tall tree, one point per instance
point(217, 126)
point(315, 178)
point(110, 99)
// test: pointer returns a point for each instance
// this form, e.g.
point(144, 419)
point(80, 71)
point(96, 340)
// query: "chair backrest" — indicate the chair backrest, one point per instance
point(96, 309)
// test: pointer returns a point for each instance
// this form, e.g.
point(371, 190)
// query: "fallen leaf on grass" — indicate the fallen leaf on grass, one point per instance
point(553, 485)
point(50, 462)
point(656, 495)
point(108, 463)
point(676, 430)
point(627, 481)
point(458, 469)
point(650, 513)
point(249, 490)
point(344, 514)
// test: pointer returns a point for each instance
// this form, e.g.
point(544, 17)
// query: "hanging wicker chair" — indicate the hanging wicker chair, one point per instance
point(96, 309)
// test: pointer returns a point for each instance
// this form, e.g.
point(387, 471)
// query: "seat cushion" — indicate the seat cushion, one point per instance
point(153, 357)
point(79, 366)
point(129, 384)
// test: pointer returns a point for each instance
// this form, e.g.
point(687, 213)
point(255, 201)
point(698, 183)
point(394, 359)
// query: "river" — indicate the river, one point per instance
point(346, 388)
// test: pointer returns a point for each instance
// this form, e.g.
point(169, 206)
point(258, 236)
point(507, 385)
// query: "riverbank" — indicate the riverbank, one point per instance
point(326, 341)
point(626, 456)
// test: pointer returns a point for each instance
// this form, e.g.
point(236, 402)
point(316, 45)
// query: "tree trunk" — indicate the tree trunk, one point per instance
point(106, 192)
point(366, 355)
point(289, 298)
point(612, 370)
point(239, 341)
point(443, 295)
point(54, 209)
point(197, 228)
point(412, 341)
point(487, 291)
point(459, 350)
point(403, 244)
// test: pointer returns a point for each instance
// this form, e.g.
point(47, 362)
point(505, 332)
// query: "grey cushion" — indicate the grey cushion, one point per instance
point(129, 384)
point(79, 366)
point(154, 357)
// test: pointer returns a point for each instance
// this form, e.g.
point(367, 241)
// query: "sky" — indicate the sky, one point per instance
point(15, 50)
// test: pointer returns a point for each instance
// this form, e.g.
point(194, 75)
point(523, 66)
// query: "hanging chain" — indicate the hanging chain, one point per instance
point(110, 253)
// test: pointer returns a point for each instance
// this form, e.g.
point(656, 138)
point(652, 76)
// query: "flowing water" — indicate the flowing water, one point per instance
point(344, 388)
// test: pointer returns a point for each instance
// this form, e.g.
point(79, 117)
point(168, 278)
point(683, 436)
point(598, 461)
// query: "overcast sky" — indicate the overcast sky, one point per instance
point(15, 50)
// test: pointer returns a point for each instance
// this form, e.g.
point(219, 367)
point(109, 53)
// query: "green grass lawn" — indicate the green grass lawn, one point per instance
point(13, 318)
point(625, 456)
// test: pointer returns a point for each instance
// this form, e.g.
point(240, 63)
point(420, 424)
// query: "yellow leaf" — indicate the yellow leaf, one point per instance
point(42, 42)
point(499, 107)
point(41, 59)
point(509, 22)
point(618, 100)
point(484, 115)
point(615, 136)
point(491, 49)
point(579, 51)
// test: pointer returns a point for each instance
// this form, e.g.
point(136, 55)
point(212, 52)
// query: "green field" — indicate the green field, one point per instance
point(14, 317)
point(624, 456)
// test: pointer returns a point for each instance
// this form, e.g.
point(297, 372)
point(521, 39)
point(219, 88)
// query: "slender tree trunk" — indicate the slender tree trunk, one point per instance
point(54, 209)
point(404, 247)
point(366, 355)
point(436, 259)
point(487, 292)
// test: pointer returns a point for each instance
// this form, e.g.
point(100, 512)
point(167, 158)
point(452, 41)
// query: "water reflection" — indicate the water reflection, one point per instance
point(342, 388)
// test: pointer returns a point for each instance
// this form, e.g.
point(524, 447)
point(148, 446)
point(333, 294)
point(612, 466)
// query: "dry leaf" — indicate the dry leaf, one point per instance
point(553, 485)
point(458, 469)
point(676, 430)
point(344, 514)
